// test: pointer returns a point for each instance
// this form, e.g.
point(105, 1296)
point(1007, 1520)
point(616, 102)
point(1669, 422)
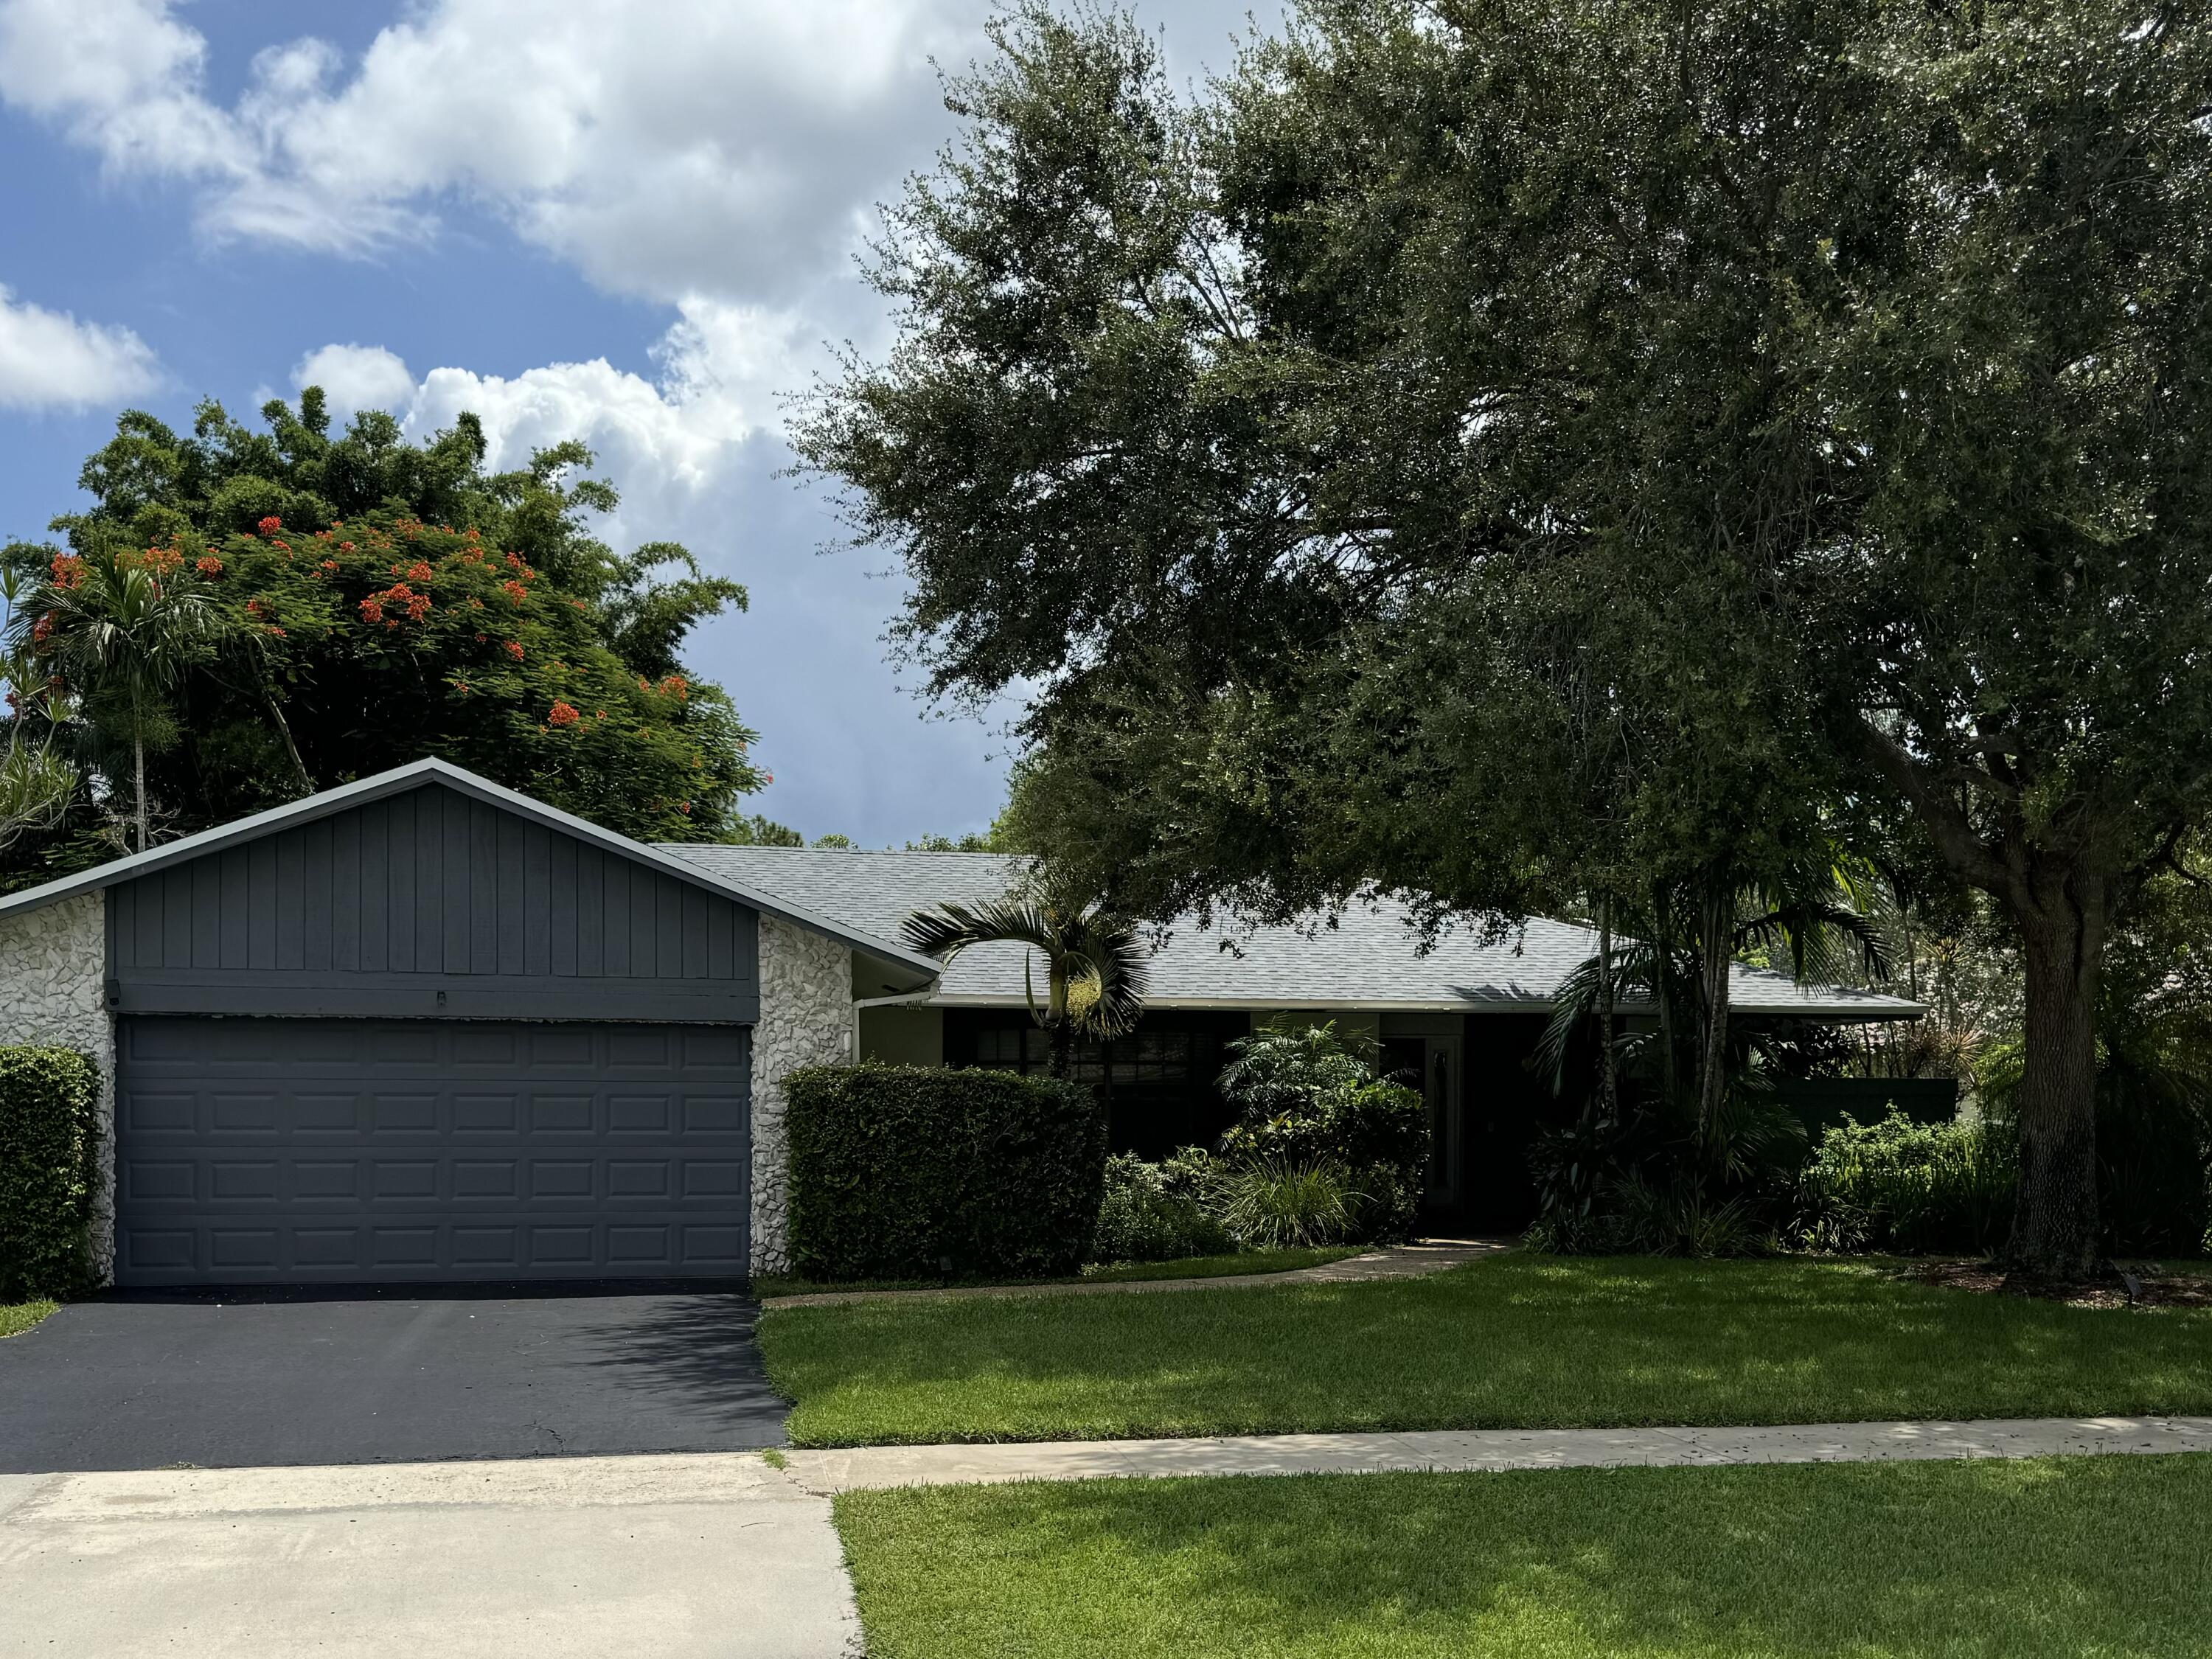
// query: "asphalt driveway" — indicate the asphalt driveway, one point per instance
point(209, 1384)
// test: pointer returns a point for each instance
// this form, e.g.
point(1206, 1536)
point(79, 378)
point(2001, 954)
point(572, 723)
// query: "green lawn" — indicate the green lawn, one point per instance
point(1188, 1266)
point(2063, 1556)
point(1515, 1341)
point(17, 1317)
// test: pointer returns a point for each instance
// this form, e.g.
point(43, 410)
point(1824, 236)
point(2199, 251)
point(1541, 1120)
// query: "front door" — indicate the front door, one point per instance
point(1432, 1065)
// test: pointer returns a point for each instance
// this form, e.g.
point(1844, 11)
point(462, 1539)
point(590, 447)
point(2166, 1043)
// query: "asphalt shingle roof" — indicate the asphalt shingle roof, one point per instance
point(1369, 959)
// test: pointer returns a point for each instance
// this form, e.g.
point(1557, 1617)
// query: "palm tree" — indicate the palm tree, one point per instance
point(1825, 915)
point(122, 634)
point(1095, 966)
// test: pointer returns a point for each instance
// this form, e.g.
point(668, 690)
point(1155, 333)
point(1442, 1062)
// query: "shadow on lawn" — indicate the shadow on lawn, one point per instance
point(2057, 1557)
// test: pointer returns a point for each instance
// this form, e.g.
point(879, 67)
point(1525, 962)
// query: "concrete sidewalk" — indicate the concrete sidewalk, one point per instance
point(1480, 1449)
point(679, 1557)
point(1430, 1255)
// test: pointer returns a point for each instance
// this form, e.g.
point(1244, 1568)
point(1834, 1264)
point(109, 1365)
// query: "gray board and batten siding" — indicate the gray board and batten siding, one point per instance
point(429, 903)
point(499, 1051)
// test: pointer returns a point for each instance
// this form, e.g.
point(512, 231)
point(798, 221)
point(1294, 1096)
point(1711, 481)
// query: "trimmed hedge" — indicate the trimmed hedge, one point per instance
point(49, 1169)
point(895, 1169)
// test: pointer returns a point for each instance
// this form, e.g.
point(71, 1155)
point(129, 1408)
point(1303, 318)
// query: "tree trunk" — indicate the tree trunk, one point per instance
point(1063, 1044)
point(2055, 1232)
point(1715, 942)
point(138, 766)
point(285, 729)
point(1608, 1081)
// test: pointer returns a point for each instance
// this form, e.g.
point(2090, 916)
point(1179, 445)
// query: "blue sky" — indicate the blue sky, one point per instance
point(629, 223)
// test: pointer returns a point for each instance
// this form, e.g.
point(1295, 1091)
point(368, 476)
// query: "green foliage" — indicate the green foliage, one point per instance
point(1273, 1203)
point(756, 830)
point(1656, 1183)
point(1307, 1097)
point(1898, 1185)
point(897, 1170)
point(49, 1170)
point(1141, 1220)
point(372, 602)
point(1096, 969)
point(1516, 463)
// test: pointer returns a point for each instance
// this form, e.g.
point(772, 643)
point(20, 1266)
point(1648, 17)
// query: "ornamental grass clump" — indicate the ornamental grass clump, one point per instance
point(1276, 1203)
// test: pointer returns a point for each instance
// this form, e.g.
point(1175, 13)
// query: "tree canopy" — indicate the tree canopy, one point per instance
point(379, 601)
point(1505, 452)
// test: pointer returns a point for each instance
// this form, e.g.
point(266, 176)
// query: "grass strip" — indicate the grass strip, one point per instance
point(1510, 1342)
point(2058, 1556)
point(1235, 1266)
point(17, 1317)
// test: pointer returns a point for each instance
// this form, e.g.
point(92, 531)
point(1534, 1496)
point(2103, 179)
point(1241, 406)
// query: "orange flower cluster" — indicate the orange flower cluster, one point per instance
point(270, 525)
point(398, 597)
point(514, 590)
point(68, 570)
point(208, 565)
point(514, 649)
point(563, 715)
point(677, 687)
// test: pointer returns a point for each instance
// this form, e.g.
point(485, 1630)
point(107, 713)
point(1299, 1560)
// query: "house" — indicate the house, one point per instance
point(422, 1027)
point(1460, 1019)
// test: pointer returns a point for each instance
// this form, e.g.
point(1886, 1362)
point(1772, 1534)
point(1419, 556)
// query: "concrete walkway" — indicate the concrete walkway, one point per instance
point(679, 1557)
point(1479, 1449)
point(1430, 1255)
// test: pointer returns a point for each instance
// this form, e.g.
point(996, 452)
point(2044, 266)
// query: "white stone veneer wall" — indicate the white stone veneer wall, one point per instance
point(52, 965)
point(806, 1019)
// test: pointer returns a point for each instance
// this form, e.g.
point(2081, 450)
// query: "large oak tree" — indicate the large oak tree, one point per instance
point(1482, 446)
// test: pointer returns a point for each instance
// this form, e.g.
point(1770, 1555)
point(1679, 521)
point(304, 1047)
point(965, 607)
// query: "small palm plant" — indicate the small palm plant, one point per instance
point(1095, 965)
point(121, 632)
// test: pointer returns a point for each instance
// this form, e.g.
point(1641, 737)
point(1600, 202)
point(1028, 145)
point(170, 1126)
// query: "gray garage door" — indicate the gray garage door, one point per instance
point(307, 1151)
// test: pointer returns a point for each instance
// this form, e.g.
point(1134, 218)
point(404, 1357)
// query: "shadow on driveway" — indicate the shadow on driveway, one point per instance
point(154, 1381)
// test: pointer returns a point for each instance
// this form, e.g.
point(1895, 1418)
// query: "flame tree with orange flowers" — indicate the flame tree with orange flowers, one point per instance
point(245, 616)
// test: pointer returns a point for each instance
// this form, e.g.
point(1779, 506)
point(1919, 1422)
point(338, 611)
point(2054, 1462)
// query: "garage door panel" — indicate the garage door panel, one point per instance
point(331, 1152)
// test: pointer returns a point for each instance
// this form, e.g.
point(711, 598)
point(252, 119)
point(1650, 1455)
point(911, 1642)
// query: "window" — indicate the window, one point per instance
point(1144, 1059)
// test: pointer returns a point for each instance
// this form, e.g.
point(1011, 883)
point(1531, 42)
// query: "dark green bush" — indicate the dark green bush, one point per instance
point(908, 1171)
point(1156, 1212)
point(1306, 1097)
point(49, 1170)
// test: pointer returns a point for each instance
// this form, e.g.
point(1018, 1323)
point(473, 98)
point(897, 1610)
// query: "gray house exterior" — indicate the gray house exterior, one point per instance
point(421, 1029)
point(424, 1028)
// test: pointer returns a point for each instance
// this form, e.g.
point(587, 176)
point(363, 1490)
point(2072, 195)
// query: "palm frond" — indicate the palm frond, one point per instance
point(948, 929)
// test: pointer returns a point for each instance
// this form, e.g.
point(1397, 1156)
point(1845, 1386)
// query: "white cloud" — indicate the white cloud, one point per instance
point(356, 377)
point(664, 149)
point(697, 457)
point(49, 360)
point(720, 365)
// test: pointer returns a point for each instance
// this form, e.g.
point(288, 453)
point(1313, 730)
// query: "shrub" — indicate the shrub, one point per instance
point(1912, 1186)
point(1156, 1212)
point(1275, 1203)
point(49, 1170)
point(898, 1171)
point(1306, 1097)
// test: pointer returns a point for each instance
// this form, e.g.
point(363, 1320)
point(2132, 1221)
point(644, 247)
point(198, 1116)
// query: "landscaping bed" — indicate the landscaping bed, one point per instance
point(2046, 1557)
point(1517, 1340)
